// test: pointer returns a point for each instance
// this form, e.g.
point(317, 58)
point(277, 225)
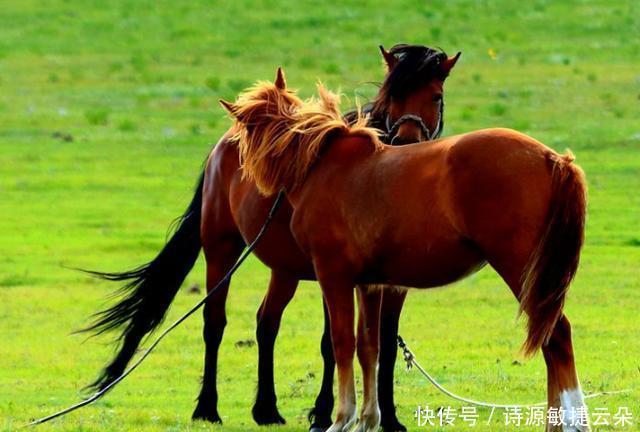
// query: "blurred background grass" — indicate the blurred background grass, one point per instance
point(108, 110)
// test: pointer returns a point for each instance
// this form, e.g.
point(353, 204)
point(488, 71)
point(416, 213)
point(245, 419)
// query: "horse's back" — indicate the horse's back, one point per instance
point(480, 194)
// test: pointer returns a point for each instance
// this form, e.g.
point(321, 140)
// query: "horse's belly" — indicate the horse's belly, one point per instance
point(429, 265)
point(279, 251)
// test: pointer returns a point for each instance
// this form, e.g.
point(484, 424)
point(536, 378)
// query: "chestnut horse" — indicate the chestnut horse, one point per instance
point(420, 215)
point(227, 212)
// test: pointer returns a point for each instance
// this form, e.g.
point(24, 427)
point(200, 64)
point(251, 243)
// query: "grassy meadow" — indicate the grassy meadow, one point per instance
point(108, 110)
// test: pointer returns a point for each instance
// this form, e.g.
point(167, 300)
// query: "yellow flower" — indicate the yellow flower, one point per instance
point(492, 53)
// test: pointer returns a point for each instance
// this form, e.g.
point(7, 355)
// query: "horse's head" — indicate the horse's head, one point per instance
point(265, 100)
point(280, 136)
point(411, 99)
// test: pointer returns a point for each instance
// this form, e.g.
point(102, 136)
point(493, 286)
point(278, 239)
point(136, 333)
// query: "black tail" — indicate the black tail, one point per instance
point(149, 291)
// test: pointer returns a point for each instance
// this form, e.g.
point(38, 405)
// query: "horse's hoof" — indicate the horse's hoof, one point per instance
point(344, 426)
point(320, 423)
point(202, 414)
point(363, 428)
point(393, 426)
point(265, 416)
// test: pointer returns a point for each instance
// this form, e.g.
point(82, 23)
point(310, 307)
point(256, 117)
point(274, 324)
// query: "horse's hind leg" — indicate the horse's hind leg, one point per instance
point(281, 289)
point(392, 302)
point(559, 357)
point(220, 256)
point(563, 386)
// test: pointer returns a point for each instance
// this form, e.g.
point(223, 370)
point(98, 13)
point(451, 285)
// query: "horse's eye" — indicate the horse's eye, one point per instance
point(437, 97)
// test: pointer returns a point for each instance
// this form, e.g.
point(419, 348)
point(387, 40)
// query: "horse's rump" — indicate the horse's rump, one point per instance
point(519, 198)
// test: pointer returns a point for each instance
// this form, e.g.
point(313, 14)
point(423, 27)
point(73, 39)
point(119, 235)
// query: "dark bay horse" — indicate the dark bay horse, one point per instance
point(227, 212)
point(420, 215)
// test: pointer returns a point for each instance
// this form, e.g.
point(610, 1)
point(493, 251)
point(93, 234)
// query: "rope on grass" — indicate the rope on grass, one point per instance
point(190, 312)
point(410, 360)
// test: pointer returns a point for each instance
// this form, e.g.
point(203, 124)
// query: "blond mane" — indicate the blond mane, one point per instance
point(280, 136)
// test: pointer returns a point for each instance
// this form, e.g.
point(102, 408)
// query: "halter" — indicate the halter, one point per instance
point(393, 129)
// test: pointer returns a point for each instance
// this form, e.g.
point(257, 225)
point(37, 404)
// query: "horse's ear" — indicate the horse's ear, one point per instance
point(449, 63)
point(229, 107)
point(280, 81)
point(389, 58)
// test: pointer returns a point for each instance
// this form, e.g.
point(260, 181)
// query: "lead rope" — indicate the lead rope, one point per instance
point(410, 361)
point(190, 312)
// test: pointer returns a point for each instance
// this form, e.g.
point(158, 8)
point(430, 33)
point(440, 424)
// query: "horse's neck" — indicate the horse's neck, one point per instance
point(377, 119)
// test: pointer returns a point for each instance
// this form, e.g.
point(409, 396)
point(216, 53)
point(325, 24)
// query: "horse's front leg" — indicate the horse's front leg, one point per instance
point(320, 415)
point(392, 302)
point(368, 345)
point(282, 287)
point(338, 295)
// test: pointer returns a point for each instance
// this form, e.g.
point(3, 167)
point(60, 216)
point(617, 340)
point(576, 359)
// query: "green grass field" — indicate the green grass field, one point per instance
point(108, 109)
